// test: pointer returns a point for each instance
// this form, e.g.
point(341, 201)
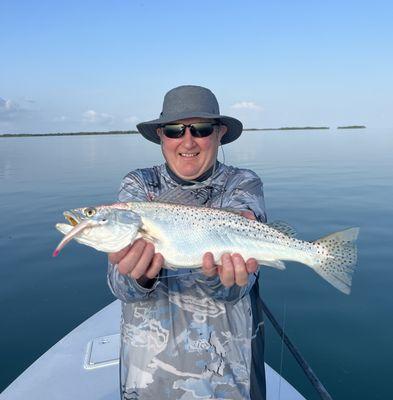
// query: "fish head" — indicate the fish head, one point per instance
point(105, 228)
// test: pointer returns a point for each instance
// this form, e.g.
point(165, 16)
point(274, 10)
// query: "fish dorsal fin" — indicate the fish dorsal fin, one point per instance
point(282, 227)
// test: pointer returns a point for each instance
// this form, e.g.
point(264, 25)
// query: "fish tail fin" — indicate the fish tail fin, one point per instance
point(338, 266)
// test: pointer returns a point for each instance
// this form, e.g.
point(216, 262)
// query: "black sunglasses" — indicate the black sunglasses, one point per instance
point(198, 130)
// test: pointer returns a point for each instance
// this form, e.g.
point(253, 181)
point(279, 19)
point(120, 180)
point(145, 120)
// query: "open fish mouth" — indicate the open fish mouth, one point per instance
point(71, 218)
point(70, 231)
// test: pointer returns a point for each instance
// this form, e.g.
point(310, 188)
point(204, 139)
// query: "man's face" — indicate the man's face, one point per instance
point(189, 157)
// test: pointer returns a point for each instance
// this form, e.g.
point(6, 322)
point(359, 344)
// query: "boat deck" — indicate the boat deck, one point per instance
point(84, 365)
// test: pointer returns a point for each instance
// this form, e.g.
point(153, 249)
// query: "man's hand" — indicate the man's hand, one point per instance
point(138, 261)
point(233, 268)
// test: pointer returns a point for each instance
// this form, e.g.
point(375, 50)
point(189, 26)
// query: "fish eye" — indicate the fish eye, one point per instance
point(89, 212)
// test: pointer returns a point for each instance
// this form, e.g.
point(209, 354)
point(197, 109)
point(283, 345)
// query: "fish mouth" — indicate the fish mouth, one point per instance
point(71, 232)
point(71, 218)
point(76, 225)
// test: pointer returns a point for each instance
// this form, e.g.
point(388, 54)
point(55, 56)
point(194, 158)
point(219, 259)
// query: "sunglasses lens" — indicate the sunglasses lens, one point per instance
point(202, 129)
point(174, 131)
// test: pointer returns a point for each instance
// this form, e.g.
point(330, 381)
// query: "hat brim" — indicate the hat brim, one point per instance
point(149, 129)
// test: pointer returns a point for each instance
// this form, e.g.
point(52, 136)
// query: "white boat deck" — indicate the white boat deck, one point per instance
point(84, 365)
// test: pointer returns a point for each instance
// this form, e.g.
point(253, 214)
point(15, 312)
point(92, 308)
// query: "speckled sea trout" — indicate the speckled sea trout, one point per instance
point(182, 234)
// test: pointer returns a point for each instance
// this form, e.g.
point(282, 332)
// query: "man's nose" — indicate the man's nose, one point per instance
point(188, 139)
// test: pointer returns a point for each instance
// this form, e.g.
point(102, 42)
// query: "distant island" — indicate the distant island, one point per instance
point(284, 128)
point(288, 128)
point(68, 134)
point(351, 127)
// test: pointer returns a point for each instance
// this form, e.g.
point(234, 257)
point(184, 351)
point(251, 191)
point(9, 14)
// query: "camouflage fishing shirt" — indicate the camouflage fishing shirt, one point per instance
point(189, 337)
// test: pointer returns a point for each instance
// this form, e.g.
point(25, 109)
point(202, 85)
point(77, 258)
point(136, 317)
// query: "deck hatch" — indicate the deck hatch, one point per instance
point(102, 352)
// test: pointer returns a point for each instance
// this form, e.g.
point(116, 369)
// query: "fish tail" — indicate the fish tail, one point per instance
point(338, 266)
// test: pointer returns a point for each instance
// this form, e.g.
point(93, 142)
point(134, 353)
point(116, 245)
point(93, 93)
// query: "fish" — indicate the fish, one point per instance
point(182, 234)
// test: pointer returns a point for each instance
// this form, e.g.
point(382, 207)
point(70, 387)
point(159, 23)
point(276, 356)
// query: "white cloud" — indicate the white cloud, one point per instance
point(10, 110)
point(131, 120)
point(247, 105)
point(91, 116)
point(8, 105)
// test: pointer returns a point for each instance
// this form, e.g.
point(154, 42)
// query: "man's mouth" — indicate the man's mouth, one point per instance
point(188, 155)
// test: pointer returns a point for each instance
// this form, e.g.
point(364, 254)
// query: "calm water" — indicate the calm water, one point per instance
point(318, 181)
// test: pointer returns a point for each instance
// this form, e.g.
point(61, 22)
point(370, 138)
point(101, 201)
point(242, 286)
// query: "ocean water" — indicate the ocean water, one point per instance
point(318, 181)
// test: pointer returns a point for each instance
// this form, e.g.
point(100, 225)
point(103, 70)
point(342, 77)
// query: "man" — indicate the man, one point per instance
point(188, 335)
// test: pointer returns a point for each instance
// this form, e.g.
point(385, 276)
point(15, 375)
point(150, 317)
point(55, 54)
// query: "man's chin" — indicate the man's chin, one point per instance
point(188, 175)
point(188, 172)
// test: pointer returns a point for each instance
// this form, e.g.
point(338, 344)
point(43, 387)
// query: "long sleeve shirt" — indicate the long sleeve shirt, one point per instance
point(188, 336)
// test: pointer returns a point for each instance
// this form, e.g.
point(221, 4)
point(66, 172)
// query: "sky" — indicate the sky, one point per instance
point(71, 66)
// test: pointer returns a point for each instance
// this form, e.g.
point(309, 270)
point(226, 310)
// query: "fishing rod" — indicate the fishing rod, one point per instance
point(316, 383)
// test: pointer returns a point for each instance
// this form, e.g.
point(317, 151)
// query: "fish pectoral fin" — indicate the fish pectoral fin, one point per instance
point(275, 264)
point(283, 227)
point(147, 235)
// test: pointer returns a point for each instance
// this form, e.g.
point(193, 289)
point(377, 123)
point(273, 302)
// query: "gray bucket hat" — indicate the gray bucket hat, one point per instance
point(190, 102)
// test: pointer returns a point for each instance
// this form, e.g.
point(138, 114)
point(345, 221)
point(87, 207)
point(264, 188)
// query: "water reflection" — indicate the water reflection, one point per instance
point(318, 182)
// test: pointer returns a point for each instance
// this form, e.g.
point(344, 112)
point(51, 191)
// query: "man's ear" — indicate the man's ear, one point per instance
point(159, 133)
point(222, 132)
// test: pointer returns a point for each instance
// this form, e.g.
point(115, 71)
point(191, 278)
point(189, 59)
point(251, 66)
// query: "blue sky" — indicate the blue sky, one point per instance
point(105, 65)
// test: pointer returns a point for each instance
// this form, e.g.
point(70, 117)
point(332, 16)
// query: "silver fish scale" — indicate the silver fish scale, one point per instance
point(219, 230)
point(214, 219)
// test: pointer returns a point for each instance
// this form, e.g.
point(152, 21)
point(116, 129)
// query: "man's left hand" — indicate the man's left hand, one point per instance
point(233, 268)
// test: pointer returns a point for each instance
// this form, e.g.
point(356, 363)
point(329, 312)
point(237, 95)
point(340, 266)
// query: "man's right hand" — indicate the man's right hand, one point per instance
point(138, 261)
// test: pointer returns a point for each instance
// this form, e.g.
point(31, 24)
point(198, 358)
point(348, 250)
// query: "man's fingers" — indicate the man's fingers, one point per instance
point(143, 262)
point(248, 214)
point(235, 270)
point(241, 274)
point(227, 274)
point(155, 266)
point(208, 266)
point(251, 265)
point(115, 258)
point(128, 262)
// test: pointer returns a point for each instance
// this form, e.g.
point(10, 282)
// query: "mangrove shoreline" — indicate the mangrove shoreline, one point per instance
point(285, 128)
